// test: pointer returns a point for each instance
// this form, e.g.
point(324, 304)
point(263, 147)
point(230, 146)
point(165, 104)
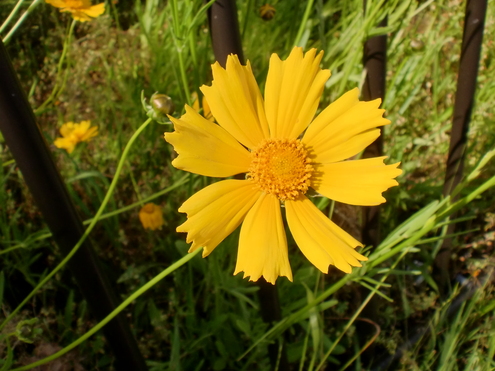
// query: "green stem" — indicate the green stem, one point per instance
point(90, 227)
point(7, 163)
point(116, 311)
point(191, 36)
point(246, 17)
point(178, 37)
point(175, 16)
point(183, 74)
point(7, 38)
point(59, 87)
point(307, 12)
point(136, 188)
point(12, 14)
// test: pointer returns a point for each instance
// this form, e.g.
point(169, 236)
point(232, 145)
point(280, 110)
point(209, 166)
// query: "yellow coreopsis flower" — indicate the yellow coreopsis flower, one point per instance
point(284, 152)
point(81, 10)
point(151, 216)
point(73, 133)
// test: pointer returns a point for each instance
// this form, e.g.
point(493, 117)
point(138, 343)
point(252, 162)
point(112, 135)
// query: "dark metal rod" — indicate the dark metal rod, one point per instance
point(375, 63)
point(472, 38)
point(32, 156)
point(226, 39)
point(224, 30)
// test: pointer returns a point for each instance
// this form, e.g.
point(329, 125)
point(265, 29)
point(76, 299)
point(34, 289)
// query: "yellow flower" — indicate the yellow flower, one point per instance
point(151, 216)
point(284, 151)
point(74, 133)
point(206, 107)
point(81, 10)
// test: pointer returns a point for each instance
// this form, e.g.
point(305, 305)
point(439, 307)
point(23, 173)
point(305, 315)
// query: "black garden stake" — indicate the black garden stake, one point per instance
point(472, 38)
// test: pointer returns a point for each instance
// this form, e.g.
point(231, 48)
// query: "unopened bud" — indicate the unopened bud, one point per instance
point(159, 107)
point(162, 104)
point(267, 12)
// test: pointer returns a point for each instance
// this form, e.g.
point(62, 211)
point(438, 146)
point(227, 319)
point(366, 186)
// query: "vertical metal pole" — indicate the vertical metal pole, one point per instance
point(474, 21)
point(32, 156)
point(375, 63)
point(224, 30)
point(226, 39)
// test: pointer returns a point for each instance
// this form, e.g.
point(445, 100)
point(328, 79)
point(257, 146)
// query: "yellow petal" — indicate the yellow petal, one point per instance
point(215, 212)
point(206, 148)
point(319, 239)
point(358, 182)
point(67, 128)
point(195, 104)
point(77, 14)
point(292, 92)
point(339, 123)
point(347, 149)
point(263, 243)
point(84, 131)
point(57, 3)
point(207, 111)
point(95, 10)
point(65, 143)
point(151, 216)
point(89, 134)
point(236, 103)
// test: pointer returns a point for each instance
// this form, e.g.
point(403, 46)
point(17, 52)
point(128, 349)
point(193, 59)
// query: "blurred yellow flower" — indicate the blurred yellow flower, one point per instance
point(151, 216)
point(206, 107)
point(81, 10)
point(284, 151)
point(73, 133)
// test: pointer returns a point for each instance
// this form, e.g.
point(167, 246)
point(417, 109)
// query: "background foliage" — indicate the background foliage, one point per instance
point(202, 317)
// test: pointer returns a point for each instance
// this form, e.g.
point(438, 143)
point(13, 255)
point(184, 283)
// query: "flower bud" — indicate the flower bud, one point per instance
point(267, 12)
point(162, 105)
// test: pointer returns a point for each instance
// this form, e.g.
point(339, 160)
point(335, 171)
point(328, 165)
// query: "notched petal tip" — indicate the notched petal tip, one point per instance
point(320, 240)
point(263, 242)
point(356, 182)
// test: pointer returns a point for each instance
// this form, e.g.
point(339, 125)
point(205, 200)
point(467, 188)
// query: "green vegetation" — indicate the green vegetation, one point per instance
point(200, 316)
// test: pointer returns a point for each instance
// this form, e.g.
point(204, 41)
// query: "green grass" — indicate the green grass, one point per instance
point(202, 317)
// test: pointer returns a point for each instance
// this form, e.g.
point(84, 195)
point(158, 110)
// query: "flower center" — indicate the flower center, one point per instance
point(281, 167)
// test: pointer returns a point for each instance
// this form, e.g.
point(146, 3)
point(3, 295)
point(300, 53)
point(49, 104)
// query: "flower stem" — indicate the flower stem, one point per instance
point(300, 32)
point(7, 38)
point(59, 86)
point(12, 14)
point(178, 36)
point(109, 194)
point(183, 74)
